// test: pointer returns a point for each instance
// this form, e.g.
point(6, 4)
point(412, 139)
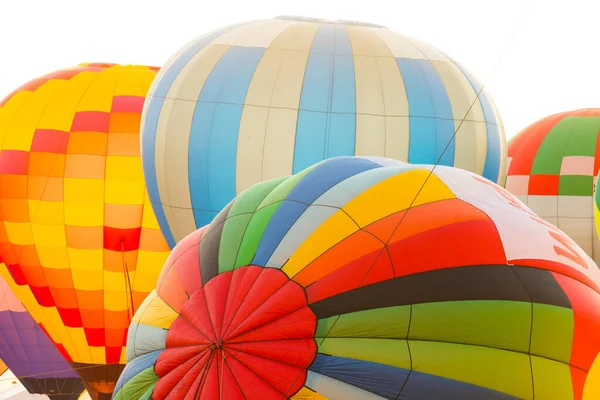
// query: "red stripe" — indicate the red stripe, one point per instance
point(586, 327)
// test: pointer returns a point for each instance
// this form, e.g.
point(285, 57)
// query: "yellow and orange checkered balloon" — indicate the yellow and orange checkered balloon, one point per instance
point(80, 241)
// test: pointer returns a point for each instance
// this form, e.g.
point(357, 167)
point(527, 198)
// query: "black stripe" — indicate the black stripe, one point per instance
point(542, 288)
point(481, 282)
point(208, 251)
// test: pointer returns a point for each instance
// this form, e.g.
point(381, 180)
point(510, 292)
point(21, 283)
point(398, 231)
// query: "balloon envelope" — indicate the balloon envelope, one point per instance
point(77, 228)
point(266, 99)
point(553, 166)
point(353, 279)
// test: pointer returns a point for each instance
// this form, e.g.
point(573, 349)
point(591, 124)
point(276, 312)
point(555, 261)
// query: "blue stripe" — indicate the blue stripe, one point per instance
point(148, 150)
point(431, 119)
point(422, 386)
point(318, 181)
point(136, 366)
point(326, 120)
point(341, 137)
point(491, 169)
point(383, 380)
point(156, 100)
point(214, 136)
point(398, 383)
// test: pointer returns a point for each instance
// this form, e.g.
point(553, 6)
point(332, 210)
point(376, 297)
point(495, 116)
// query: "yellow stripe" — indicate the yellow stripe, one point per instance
point(335, 229)
point(129, 81)
point(395, 194)
point(307, 394)
point(24, 122)
point(385, 198)
point(97, 95)
point(155, 312)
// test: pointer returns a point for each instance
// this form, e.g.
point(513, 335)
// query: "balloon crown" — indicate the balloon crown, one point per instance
point(330, 21)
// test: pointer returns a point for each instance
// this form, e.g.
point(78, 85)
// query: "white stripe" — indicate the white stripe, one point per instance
point(337, 390)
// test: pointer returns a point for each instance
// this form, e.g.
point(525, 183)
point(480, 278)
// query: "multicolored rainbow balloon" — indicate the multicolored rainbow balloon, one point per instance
point(369, 278)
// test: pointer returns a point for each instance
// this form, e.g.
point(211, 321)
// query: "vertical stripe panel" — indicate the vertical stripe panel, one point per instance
point(428, 100)
point(176, 125)
point(190, 80)
point(268, 124)
point(340, 140)
point(422, 125)
point(370, 103)
point(148, 140)
point(495, 146)
point(315, 100)
point(469, 133)
point(386, 44)
point(280, 135)
point(152, 111)
point(215, 126)
point(444, 121)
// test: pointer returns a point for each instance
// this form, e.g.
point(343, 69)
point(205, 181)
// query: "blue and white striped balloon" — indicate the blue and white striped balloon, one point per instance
point(267, 99)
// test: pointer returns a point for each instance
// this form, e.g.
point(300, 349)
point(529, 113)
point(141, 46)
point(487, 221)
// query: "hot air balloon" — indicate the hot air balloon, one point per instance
point(368, 278)
point(77, 227)
point(266, 99)
point(31, 355)
point(553, 165)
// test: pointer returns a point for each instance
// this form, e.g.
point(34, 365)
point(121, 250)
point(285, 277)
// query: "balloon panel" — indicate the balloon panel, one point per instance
point(266, 99)
point(358, 277)
point(30, 354)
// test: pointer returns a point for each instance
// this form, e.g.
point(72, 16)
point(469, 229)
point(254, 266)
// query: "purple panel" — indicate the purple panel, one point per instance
point(26, 349)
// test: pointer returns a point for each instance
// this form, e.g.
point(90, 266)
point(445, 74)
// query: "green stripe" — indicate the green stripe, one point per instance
point(552, 379)
point(384, 351)
point(552, 332)
point(138, 386)
point(584, 136)
point(260, 219)
point(548, 158)
point(238, 219)
point(571, 136)
point(500, 370)
point(494, 323)
point(389, 322)
point(148, 393)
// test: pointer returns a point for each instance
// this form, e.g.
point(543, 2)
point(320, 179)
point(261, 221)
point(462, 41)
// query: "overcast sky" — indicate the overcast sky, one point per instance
point(552, 64)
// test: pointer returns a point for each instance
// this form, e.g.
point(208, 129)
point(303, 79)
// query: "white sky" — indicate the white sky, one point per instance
point(551, 66)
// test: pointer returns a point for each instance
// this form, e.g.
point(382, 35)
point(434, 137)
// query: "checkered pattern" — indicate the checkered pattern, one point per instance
point(553, 165)
point(78, 226)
